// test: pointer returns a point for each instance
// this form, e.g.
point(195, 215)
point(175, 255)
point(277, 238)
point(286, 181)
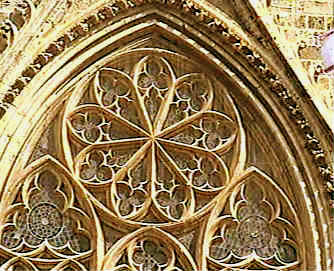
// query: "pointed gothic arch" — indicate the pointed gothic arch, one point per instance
point(152, 119)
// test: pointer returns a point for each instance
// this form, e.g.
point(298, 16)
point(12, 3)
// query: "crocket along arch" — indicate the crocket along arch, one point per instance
point(152, 144)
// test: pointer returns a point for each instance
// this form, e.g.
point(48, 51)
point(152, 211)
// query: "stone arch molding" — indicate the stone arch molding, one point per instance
point(141, 147)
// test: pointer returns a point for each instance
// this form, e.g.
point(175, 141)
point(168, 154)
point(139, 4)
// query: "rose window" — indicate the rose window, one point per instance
point(151, 133)
point(147, 167)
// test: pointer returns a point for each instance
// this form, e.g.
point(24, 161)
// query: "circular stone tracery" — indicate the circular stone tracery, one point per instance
point(45, 221)
point(167, 123)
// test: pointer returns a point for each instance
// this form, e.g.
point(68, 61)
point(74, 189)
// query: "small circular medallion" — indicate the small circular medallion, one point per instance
point(45, 220)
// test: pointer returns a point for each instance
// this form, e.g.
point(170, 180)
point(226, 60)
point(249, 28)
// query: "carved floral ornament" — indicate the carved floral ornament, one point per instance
point(151, 143)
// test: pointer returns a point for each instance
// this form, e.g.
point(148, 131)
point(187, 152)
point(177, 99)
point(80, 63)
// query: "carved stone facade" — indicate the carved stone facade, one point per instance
point(298, 27)
point(157, 135)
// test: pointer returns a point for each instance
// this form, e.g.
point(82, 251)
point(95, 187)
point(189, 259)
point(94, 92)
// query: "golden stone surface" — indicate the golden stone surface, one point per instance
point(165, 135)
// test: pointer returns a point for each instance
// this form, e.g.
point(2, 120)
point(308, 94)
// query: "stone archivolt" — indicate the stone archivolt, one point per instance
point(149, 169)
point(13, 16)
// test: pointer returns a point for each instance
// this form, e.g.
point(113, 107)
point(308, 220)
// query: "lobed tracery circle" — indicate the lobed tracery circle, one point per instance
point(45, 220)
point(156, 113)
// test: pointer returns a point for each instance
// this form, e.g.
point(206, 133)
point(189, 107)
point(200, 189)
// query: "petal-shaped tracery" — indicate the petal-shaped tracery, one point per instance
point(193, 93)
point(211, 131)
point(103, 163)
point(152, 152)
point(92, 124)
point(130, 192)
point(176, 128)
point(204, 170)
point(114, 90)
point(154, 78)
point(172, 195)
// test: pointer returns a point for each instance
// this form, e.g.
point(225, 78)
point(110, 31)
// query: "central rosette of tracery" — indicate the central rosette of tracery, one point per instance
point(154, 135)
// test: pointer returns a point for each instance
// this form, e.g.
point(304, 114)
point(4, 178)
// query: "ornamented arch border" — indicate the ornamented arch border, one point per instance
point(78, 38)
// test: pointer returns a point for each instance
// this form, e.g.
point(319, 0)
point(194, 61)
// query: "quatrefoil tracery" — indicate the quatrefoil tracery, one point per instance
point(149, 249)
point(152, 119)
